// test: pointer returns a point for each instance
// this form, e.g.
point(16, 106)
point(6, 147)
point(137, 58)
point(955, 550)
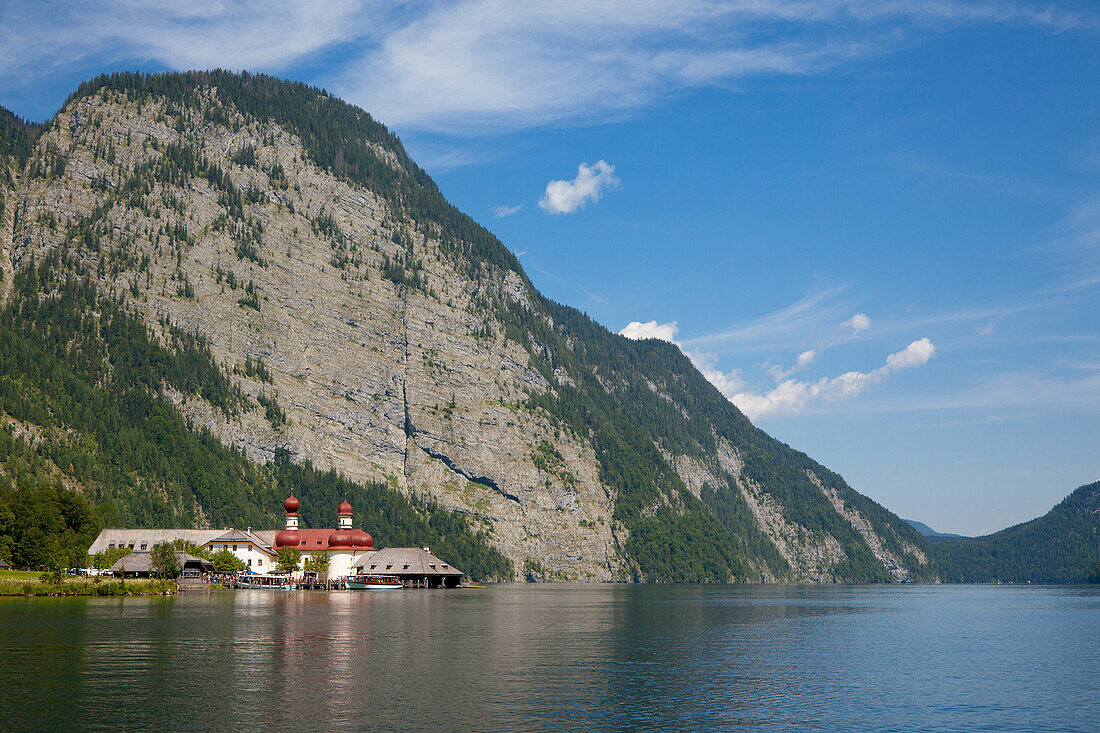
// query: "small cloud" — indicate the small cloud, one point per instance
point(502, 211)
point(986, 330)
point(914, 355)
point(566, 197)
point(858, 322)
point(637, 330)
point(792, 395)
point(521, 253)
point(804, 359)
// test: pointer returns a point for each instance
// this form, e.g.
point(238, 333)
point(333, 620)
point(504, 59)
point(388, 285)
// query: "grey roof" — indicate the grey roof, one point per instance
point(4, 565)
point(142, 562)
point(150, 537)
point(407, 561)
point(267, 536)
point(240, 535)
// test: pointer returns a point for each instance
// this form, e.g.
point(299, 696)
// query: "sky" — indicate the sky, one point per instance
point(874, 225)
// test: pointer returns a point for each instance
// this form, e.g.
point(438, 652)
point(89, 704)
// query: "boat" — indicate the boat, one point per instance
point(369, 581)
point(265, 582)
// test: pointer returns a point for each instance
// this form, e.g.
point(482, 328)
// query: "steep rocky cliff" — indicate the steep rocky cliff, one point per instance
point(367, 326)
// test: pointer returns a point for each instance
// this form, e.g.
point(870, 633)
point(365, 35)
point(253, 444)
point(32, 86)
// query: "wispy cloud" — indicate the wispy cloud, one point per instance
point(484, 65)
point(815, 313)
point(566, 197)
point(501, 212)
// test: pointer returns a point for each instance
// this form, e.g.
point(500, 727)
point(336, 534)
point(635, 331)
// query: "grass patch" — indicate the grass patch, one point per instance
point(85, 587)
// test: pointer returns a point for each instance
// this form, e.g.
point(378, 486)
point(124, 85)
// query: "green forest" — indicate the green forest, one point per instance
point(1062, 546)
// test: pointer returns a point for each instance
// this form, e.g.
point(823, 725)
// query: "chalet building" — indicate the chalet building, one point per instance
point(350, 551)
point(140, 565)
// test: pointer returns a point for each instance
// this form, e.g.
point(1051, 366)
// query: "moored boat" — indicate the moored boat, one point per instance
point(366, 581)
point(265, 582)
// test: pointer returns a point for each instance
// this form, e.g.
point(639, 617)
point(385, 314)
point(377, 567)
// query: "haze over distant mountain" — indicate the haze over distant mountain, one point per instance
point(927, 531)
point(219, 286)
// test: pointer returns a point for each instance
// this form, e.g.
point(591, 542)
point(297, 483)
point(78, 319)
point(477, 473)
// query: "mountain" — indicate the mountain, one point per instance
point(251, 280)
point(1062, 546)
point(927, 531)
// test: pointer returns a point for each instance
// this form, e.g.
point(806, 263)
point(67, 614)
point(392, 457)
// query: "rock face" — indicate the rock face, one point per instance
point(365, 344)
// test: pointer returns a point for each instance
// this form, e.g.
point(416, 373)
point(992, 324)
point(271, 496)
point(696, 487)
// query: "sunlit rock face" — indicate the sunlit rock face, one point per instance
point(367, 344)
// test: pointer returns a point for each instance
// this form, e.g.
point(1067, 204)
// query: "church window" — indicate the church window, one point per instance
point(143, 545)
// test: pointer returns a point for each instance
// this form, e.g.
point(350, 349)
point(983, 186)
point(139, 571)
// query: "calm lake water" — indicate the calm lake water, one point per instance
point(552, 657)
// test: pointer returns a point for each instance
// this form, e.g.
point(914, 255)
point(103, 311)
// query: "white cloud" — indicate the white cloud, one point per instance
point(728, 383)
point(565, 197)
point(914, 355)
point(858, 322)
point(502, 211)
point(637, 330)
point(792, 396)
point(789, 395)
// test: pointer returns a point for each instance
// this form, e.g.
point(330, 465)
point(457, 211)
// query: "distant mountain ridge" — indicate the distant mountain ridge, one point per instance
point(927, 531)
point(1062, 546)
point(265, 264)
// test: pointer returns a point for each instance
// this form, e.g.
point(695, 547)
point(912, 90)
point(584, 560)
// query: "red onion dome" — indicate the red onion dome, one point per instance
point(286, 538)
point(344, 509)
point(340, 538)
point(363, 539)
point(291, 505)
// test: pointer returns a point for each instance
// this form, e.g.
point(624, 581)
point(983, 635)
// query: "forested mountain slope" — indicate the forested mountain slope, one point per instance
point(262, 266)
point(1062, 546)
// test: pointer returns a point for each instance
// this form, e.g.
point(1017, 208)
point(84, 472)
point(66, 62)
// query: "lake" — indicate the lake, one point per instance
point(559, 658)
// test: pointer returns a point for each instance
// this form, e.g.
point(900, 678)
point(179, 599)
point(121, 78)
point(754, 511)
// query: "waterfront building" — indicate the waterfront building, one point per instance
point(350, 551)
point(140, 565)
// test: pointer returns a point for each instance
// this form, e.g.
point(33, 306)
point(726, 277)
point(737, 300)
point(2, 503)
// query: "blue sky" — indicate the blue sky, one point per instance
point(874, 224)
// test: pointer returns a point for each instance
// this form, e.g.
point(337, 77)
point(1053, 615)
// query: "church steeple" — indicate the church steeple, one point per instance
point(291, 505)
point(343, 515)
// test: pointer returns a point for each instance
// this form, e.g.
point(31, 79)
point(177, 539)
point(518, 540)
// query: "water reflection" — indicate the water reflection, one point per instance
point(558, 658)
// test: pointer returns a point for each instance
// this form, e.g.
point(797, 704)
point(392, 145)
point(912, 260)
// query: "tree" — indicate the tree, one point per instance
point(105, 559)
point(192, 549)
point(165, 564)
point(289, 558)
point(317, 564)
point(226, 562)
